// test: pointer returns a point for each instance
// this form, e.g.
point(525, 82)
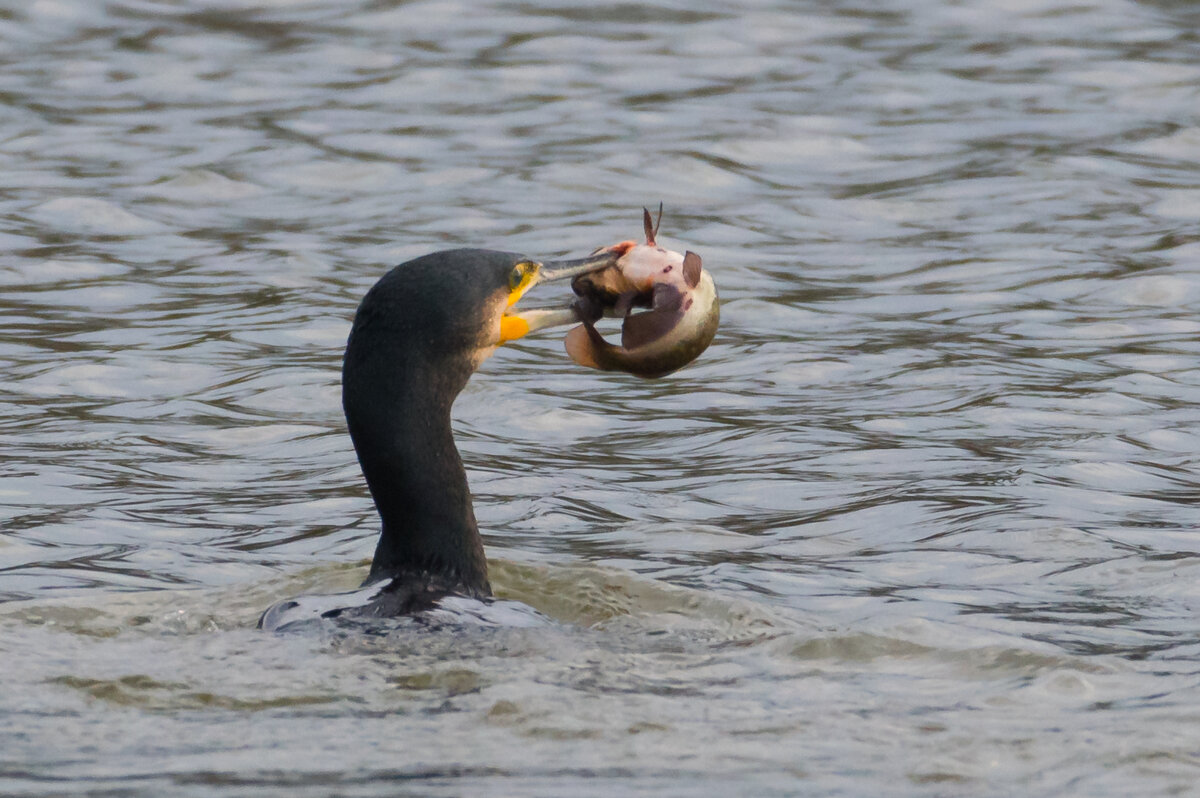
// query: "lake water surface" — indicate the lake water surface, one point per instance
point(922, 521)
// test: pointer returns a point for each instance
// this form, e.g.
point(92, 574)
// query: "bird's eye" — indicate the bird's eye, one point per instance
point(521, 274)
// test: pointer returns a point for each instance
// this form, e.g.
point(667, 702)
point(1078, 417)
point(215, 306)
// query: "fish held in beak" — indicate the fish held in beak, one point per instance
point(681, 317)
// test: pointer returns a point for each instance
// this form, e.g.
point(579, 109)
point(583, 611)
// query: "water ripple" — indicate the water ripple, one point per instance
point(922, 515)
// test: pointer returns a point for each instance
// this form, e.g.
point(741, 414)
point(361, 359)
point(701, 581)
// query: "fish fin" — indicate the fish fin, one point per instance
point(644, 328)
point(691, 269)
point(651, 228)
point(666, 297)
point(581, 346)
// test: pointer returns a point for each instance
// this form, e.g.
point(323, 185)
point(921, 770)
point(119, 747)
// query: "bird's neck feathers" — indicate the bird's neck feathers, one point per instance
point(398, 412)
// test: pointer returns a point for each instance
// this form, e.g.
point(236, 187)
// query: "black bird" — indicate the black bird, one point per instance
point(417, 337)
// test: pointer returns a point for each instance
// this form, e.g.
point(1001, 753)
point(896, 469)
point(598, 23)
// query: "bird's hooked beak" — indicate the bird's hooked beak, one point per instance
point(514, 325)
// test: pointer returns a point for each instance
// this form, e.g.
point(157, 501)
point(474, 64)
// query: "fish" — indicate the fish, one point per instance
point(682, 316)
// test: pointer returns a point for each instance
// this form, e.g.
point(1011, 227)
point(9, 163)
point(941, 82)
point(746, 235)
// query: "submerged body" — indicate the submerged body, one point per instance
point(398, 598)
point(683, 310)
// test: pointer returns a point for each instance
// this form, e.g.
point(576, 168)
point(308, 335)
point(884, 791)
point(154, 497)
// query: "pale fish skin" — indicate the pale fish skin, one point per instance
point(680, 324)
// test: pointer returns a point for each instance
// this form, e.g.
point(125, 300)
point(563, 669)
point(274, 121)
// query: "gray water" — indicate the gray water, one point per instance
point(922, 521)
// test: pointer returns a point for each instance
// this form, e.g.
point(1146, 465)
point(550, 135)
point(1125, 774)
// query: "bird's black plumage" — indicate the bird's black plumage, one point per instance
point(417, 337)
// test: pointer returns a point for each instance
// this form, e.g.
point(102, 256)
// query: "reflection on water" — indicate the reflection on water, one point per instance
point(921, 519)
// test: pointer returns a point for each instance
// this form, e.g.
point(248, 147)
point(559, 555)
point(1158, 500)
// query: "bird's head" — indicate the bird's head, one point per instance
point(454, 308)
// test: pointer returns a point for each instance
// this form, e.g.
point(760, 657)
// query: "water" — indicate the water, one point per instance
point(921, 522)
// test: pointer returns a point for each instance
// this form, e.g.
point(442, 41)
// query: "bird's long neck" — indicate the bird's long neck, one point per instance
point(399, 419)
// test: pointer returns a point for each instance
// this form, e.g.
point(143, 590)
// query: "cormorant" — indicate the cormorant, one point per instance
point(417, 337)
